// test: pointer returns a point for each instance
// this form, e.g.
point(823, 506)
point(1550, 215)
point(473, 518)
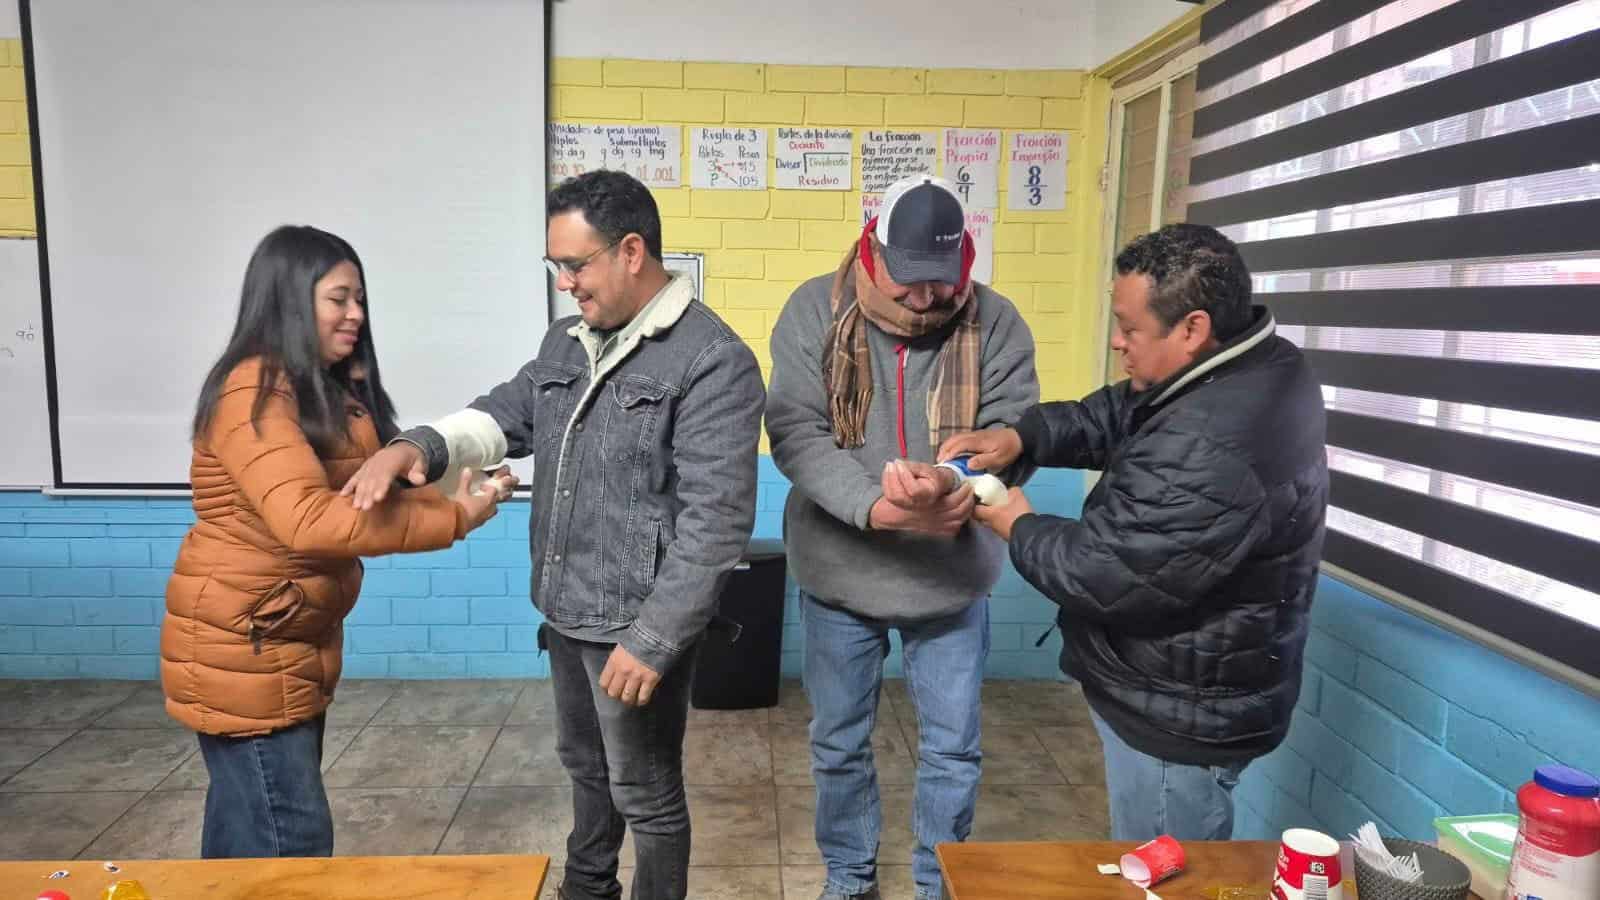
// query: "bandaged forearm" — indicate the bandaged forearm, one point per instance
point(473, 439)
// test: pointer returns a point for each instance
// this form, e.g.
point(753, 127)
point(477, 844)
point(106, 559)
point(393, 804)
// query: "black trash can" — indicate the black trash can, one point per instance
point(744, 673)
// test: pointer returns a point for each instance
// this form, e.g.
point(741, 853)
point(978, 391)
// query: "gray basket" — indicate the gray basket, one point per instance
point(1443, 876)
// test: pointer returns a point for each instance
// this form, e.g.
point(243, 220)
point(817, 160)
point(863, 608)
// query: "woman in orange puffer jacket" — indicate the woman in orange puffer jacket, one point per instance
point(251, 642)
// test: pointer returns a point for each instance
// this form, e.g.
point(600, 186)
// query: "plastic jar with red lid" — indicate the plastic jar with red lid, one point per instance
point(1557, 855)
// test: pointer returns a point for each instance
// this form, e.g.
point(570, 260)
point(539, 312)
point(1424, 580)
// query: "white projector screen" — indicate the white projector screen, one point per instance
point(174, 134)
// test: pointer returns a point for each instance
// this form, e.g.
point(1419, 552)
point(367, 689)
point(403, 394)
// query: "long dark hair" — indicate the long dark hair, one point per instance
point(277, 323)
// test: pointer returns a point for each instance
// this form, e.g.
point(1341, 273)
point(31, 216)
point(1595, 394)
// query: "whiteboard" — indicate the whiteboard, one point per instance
point(25, 458)
point(174, 134)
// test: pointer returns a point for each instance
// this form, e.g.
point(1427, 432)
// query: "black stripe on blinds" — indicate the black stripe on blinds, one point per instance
point(1526, 309)
point(1281, 38)
point(1563, 474)
point(1518, 621)
point(1565, 62)
point(1557, 228)
point(1545, 551)
point(1552, 390)
point(1563, 145)
point(1223, 16)
point(1447, 27)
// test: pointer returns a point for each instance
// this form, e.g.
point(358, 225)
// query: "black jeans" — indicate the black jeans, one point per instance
point(626, 765)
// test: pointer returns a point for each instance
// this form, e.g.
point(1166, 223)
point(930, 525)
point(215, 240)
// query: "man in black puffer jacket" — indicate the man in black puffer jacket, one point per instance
point(1185, 588)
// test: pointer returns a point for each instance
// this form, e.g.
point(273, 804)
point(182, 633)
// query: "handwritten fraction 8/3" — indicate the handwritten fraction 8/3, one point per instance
point(1038, 169)
point(1036, 185)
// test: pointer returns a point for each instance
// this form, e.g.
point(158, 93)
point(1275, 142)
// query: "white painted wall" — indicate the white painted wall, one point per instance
point(919, 33)
point(1009, 34)
point(933, 33)
point(1119, 24)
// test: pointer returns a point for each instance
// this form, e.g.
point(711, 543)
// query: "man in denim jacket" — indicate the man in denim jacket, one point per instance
point(644, 417)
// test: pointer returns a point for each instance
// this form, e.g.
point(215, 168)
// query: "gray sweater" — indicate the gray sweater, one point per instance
point(890, 575)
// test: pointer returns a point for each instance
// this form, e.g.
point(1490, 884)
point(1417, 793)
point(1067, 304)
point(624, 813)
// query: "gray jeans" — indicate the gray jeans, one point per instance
point(626, 765)
point(1151, 797)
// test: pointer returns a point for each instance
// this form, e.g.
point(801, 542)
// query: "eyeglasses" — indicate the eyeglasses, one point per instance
point(558, 266)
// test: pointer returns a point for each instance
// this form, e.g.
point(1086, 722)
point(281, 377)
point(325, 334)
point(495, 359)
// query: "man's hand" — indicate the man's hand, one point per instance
point(1001, 518)
point(370, 484)
point(913, 485)
point(992, 449)
point(627, 679)
point(481, 504)
point(943, 518)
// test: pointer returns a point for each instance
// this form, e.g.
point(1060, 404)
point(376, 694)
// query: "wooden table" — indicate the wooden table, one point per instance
point(342, 877)
point(1065, 870)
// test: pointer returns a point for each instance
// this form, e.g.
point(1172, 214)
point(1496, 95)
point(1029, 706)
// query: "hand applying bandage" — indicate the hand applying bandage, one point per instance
point(991, 491)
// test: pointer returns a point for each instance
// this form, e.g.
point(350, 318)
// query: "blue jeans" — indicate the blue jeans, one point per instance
point(1151, 797)
point(266, 796)
point(843, 672)
point(626, 765)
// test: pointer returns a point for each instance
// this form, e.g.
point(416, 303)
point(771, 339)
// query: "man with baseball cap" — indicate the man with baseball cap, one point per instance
point(873, 366)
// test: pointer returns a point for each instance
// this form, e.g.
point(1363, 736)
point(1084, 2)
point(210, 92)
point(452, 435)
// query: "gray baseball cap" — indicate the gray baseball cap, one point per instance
point(921, 225)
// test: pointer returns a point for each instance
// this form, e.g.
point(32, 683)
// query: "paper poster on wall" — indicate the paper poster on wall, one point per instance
point(574, 149)
point(980, 224)
point(888, 156)
point(870, 204)
point(813, 159)
point(728, 158)
point(972, 161)
point(651, 153)
point(1037, 161)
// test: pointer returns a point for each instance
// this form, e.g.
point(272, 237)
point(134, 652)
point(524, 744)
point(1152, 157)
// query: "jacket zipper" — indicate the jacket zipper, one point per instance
point(900, 396)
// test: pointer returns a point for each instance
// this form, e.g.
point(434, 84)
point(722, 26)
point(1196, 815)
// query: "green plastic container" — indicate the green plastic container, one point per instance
point(1484, 843)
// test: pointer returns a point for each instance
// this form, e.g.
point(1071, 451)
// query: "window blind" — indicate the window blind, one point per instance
point(1415, 185)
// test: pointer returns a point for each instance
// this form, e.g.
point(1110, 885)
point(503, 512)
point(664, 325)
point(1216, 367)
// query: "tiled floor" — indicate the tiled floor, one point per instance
point(95, 769)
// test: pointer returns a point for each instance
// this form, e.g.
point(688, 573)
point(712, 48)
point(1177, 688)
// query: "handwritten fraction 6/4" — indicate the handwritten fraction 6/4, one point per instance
point(972, 161)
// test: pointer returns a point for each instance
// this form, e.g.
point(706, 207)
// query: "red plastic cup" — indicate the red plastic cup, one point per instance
point(1308, 866)
point(1153, 862)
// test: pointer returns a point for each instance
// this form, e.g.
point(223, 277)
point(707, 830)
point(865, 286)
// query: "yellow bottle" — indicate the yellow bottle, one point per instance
point(125, 890)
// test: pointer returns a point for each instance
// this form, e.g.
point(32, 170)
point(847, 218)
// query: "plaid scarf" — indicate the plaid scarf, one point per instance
point(847, 361)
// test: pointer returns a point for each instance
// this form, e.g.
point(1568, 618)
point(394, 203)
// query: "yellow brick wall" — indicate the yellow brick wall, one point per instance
point(759, 245)
point(16, 168)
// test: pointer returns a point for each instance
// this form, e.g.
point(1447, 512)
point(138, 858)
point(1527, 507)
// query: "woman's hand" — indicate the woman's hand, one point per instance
point(370, 484)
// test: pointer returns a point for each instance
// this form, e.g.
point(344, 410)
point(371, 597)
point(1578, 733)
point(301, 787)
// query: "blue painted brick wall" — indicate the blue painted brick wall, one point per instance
point(1399, 720)
point(1402, 721)
point(82, 581)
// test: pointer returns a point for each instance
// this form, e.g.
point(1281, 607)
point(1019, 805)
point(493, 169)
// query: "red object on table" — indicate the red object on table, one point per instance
point(1153, 862)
